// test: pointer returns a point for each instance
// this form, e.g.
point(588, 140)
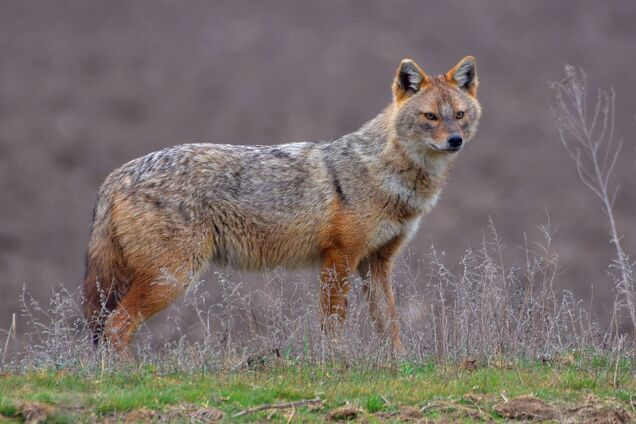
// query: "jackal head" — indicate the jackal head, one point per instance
point(435, 113)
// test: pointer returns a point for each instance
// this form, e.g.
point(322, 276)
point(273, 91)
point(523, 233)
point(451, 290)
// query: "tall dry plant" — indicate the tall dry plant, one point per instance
point(587, 133)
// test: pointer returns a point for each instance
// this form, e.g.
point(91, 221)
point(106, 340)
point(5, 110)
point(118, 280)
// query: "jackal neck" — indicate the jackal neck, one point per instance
point(407, 181)
point(378, 131)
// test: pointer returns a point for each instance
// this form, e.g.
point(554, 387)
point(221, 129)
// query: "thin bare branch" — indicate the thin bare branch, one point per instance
point(595, 156)
point(285, 405)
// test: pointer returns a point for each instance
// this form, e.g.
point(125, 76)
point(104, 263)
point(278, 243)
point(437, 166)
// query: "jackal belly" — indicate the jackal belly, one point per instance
point(258, 243)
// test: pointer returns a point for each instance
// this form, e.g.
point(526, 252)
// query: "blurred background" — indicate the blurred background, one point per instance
point(88, 85)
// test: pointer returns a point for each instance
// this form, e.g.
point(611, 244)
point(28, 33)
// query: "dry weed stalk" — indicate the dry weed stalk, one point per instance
point(587, 133)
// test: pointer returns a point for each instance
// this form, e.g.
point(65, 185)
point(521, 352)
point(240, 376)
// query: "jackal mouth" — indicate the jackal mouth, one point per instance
point(445, 148)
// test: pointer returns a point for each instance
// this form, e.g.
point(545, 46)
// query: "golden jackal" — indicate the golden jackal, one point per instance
point(347, 204)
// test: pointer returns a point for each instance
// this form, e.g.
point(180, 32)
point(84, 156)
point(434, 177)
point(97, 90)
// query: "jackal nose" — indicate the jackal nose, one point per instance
point(455, 141)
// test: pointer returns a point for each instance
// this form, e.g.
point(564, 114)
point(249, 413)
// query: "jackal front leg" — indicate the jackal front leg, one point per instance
point(381, 281)
point(334, 289)
point(380, 265)
point(372, 293)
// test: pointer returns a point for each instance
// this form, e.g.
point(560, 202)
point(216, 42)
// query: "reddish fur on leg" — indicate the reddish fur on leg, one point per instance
point(334, 289)
point(146, 296)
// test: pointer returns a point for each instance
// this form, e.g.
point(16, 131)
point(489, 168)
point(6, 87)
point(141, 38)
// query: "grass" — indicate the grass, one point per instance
point(456, 391)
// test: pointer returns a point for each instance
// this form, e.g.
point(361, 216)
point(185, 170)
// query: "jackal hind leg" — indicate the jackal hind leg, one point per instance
point(147, 295)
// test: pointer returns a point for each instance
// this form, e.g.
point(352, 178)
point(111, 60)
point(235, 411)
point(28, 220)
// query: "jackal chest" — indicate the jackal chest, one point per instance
point(388, 229)
point(401, 219)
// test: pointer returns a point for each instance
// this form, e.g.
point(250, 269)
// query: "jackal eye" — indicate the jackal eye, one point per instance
point(459, 114)
point(430, 116)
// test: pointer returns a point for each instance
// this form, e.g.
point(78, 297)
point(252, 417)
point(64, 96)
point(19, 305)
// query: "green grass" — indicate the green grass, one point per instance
point(85, 398)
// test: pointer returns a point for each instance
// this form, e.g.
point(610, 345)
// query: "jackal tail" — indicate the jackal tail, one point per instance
point(105, 279)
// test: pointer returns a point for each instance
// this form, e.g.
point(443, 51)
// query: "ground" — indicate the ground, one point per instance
point(596, 390)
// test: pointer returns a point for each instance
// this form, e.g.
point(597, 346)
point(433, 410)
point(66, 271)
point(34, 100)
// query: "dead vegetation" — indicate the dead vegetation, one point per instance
point(480, 311)
point(526, 408)
point(587, 132)
point(347, 412)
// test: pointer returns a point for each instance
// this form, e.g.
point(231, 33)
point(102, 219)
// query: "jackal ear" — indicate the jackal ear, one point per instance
point(409, 78)
point(464, 74)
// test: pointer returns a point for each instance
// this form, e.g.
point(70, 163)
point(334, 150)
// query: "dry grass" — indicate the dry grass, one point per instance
point(476, 308)
point(479, 309)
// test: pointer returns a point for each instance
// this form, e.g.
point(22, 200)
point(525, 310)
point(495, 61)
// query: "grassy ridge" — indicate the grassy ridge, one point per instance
point(376, 393)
